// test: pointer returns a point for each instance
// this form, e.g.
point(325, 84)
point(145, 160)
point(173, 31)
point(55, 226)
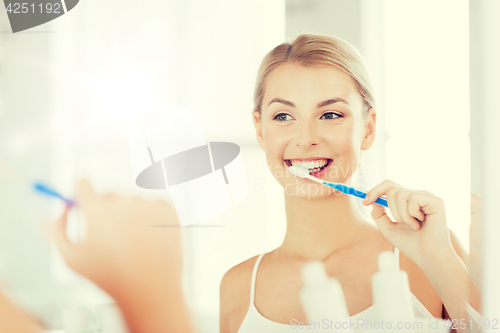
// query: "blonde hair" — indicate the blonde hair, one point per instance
point(316, 50)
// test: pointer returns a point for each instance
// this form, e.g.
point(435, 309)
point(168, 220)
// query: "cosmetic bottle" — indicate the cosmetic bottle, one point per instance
point(323, 300)
point(76, 319)
point(391, 291)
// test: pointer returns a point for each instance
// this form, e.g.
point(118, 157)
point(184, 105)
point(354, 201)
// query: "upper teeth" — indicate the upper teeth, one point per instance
point(310, 164)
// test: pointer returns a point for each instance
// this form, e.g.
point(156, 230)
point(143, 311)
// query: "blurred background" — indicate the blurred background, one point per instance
point(71, 90)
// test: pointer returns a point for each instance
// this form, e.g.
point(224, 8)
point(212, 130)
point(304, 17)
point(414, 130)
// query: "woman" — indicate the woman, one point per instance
point(314, 107)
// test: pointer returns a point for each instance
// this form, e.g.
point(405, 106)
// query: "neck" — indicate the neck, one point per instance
point(316, 229)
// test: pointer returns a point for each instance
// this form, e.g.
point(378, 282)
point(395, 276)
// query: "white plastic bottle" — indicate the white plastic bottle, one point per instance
point(391, 291)
point(323, 300)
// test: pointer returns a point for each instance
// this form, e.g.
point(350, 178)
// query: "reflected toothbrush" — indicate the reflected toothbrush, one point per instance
point(42, 188)
point(344, 188)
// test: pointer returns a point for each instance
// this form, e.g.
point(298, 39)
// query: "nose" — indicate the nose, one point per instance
point(307, 135)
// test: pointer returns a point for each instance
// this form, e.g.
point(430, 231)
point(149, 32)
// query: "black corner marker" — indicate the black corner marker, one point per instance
point(70, 4)
point(26, 14)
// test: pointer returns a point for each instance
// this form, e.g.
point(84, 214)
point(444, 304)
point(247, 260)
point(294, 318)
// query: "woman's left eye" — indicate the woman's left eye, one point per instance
point(282, 117)
point(330, 115)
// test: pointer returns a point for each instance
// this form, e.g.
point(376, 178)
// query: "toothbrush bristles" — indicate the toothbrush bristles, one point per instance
point(302, 167)
point(299, 171)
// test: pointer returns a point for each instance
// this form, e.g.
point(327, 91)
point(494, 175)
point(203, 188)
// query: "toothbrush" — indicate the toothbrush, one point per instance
point(344, 188)
point(42, 188)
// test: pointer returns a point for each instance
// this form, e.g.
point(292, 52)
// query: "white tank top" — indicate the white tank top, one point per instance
point(255, 322)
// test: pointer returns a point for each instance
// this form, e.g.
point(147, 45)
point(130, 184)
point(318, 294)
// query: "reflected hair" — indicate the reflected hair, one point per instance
point(313, 51)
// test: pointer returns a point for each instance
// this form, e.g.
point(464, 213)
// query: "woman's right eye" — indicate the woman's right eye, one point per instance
point(282, 117)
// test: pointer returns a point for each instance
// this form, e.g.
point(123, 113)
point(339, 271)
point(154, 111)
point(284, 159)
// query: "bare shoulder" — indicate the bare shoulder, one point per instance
point(235, 295)
point(237, 278)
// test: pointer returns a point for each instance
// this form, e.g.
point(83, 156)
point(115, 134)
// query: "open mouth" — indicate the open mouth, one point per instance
point(313, 166)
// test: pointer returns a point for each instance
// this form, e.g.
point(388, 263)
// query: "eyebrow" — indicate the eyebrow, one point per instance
point(320, 105)
point(282, 101)
point(332, 101)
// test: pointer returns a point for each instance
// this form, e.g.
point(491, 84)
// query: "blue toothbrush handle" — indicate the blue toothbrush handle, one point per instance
point(42, 188)
point(382, 202)
point(355, 192)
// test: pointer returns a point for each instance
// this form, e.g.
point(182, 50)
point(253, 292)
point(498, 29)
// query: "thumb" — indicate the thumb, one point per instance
point(57, 231)
point(380, 217)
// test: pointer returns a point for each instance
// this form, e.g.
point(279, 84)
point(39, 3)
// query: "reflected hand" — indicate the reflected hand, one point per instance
point(420, 230)
point(121, 249)
point(139, 266)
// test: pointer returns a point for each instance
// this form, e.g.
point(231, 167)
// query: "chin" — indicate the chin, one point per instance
point(306, 189)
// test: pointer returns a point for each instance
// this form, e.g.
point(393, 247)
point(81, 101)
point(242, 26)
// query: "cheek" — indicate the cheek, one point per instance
point(275, 141)
point(344, 141)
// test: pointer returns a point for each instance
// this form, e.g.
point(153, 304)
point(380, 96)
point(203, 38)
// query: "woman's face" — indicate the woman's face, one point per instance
point(313, 117)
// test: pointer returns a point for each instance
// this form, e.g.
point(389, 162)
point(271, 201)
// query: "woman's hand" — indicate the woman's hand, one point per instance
point(420, 230)
point(121, 247)
point(129, 257)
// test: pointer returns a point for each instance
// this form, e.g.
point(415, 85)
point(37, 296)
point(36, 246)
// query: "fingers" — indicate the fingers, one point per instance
point(85, 193)
point(393, 206)
point(379, 191)
point(403, 199)
point(57, 231)
point(403, 203)
point(380, 217)
point(414, 208)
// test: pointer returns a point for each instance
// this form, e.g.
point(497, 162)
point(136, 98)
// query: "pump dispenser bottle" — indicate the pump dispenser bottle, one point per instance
point(391, 291)
point(323, 300)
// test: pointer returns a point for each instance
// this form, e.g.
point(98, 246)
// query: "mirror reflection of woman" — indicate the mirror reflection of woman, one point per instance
point(314, 107)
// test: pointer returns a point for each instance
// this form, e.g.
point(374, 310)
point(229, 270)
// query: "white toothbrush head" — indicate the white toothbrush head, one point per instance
point(302, 173)
point(298, 171)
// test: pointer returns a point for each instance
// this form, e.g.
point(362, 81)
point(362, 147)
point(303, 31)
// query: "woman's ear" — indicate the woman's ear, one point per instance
point(369, 133)
point(258, 128)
